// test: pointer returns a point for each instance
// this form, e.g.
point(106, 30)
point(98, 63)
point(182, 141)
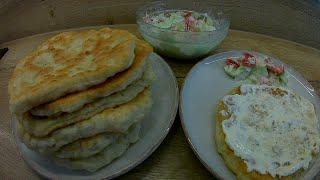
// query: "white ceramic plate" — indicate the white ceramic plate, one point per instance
point(154, 129)
point(203, 88)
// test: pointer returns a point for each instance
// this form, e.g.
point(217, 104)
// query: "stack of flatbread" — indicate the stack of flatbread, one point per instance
point(80, 97)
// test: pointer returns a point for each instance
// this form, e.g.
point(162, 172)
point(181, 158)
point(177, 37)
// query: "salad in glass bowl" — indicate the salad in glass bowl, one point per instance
point(183, 31)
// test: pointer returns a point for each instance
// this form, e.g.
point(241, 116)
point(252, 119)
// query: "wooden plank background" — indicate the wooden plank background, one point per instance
point(295, 20)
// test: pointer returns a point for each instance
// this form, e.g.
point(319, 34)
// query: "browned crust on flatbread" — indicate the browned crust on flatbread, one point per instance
point(128, 113)
point(107, 87)
point(233, 162)
point(111, 54)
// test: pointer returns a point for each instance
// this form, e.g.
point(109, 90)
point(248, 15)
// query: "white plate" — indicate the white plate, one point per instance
point(154, 129)
point(203, 88)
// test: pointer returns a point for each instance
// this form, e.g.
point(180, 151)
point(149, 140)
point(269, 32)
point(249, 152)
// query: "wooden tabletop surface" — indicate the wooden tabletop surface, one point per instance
point(174, 159)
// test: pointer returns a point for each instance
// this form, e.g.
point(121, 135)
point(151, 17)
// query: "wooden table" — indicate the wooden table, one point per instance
point(173, 159)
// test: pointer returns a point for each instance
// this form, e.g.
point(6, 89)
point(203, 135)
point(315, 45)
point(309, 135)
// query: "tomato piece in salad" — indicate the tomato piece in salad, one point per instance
point(233, 63)
point(249, 60)
point(278, 70)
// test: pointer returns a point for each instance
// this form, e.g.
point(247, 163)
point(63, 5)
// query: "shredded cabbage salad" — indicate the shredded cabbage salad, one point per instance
point(187, 21)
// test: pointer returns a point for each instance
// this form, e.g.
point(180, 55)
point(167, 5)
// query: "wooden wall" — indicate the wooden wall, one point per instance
point(296, 20)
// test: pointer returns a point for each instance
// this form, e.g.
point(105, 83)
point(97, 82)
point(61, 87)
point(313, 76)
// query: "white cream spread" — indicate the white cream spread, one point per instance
point(275, 134)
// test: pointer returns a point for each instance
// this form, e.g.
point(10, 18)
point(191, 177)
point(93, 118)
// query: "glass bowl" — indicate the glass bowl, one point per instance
point(181, 44)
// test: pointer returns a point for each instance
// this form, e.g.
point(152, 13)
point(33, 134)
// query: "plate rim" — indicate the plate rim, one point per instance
point(195, 151)
point(182, 120)
point(38, 169)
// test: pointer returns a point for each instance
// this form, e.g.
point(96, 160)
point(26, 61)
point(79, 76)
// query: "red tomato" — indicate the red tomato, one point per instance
point(249, 60)
point(232, 62)
point(278, 70)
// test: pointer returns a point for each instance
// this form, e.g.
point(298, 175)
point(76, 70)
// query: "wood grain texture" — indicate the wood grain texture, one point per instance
point(296, 20)
point(174, 159)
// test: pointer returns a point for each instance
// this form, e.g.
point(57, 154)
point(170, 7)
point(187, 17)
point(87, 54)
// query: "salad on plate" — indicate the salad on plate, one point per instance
point(256, 70)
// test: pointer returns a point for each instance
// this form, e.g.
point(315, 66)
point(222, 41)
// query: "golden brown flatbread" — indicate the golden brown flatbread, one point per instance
point(90, 146)
point(120, 81)
point(69, 62)
point(233, 162)
point(43, 126)
point(105, 156)
point(113, 120)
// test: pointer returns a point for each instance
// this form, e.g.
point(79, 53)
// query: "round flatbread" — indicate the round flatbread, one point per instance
point(69, 62)
point(43, 126)
point(233, 162)
point(104, 157)
point(116, 120)
point(90, 146)
point(120, 81)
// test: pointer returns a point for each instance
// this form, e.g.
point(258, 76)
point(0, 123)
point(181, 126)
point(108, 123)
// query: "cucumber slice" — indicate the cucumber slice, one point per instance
point(231, 71)
point(257, 73)
point(243, 73)
point(260, 71)
point(240, 73)
point(283, 79)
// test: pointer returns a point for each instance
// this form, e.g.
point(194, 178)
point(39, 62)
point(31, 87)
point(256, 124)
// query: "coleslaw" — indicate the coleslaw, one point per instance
point(181, 20)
